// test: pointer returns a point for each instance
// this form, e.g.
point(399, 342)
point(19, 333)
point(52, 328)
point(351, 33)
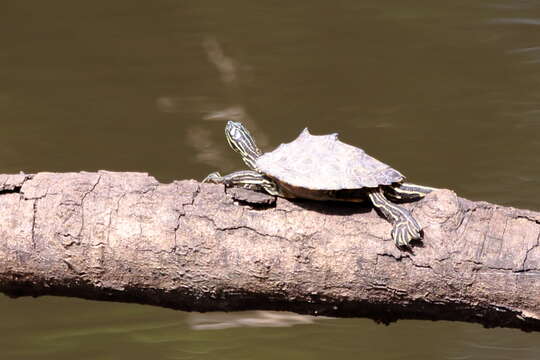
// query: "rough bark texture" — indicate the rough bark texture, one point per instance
point(191, 246)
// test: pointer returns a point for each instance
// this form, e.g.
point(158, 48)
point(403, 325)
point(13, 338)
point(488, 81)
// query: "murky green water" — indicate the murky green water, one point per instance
point(447, 92)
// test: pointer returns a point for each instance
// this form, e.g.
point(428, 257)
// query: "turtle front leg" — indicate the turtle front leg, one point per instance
point(407, 191)
point(405, 227)
point(246, 178)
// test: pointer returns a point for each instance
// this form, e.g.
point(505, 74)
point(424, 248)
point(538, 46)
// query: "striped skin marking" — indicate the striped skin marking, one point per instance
point(247, 178)
point(405, 226)
point(415, 188)
point(401, 233)
point(241, 141)
point(407, 191)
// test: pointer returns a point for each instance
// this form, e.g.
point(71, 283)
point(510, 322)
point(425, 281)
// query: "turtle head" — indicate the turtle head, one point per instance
point(242, 142)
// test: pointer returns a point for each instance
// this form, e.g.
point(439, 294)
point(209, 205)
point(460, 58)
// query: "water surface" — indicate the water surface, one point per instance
point(446, 92)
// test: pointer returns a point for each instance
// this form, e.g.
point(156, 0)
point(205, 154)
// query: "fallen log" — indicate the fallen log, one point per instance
point(201, 247)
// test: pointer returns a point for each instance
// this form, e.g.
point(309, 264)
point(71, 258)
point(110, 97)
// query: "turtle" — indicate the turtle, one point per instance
point(321, 167)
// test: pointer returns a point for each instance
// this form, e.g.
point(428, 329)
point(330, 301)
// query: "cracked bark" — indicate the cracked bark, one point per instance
point(189, 246)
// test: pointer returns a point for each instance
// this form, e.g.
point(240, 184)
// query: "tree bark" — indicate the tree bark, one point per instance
point(192, 246)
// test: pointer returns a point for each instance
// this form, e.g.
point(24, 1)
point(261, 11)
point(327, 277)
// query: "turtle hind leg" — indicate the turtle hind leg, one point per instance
point(405, 227)
point(407, 191)
point(248, 179)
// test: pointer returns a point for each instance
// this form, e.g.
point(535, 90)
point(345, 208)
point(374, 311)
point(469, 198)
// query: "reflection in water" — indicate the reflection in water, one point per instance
point(206, 152)
point(206, 149)
point(187, 105)
point(220, 320)
point(201, 106)
point(517, 21)
point(228, 70)
point(526, 50)
point(513, 4)
point(224, 64)
point(64, 328)
point(235, 113)
point(532, 54)
point(198, 136)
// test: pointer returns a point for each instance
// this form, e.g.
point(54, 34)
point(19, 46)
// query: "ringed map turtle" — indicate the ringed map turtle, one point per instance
point(324, 168)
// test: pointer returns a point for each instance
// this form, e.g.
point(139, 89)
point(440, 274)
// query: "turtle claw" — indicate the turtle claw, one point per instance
point(406, 231)
point(214, 177)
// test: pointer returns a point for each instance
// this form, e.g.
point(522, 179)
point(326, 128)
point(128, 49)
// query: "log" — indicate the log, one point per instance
point(201, 247)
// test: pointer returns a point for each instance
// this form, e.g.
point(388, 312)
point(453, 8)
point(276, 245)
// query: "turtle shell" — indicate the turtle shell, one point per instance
point(325, 163)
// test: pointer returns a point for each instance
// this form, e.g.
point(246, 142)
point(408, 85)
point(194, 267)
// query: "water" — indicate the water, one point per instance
point(60, 328)
point(446, 92)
